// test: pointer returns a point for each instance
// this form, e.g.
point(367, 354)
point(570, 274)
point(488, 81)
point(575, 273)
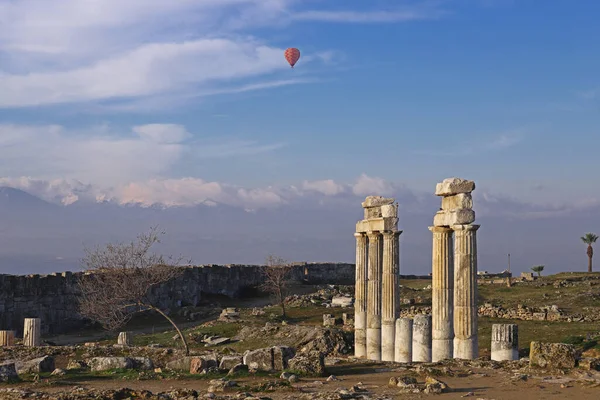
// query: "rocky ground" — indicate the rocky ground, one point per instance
point(254, 353)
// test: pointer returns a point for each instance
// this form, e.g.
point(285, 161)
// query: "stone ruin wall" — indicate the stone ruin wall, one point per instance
point(53, 297)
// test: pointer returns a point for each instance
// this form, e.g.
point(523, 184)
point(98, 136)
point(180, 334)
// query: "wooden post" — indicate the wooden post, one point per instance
point(125, 338)
point(7, 338)
point(32, 332)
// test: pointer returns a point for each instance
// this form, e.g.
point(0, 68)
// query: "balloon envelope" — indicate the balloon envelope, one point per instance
point(292, 55)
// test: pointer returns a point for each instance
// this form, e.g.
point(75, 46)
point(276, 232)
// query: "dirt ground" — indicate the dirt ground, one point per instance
point(481, 384)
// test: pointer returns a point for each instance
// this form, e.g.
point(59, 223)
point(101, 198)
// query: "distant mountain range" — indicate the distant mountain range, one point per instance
point(37, 236)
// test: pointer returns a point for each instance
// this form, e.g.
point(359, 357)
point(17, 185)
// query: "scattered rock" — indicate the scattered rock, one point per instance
point(220, 385)
point(76, 364)
point(590, 364)
point(58, 372)
point(8, 372)
point(237, 369)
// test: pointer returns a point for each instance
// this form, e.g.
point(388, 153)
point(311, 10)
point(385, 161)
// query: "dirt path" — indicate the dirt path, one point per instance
point(483, 384)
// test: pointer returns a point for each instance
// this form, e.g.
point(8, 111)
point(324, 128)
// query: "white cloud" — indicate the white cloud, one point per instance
point(327, 187)
point(372, 186)
point(142, 51)
point(109, 157)
point(364, 17)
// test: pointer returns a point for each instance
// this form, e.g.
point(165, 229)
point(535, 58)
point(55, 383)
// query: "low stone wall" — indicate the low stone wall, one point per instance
point(53, 297)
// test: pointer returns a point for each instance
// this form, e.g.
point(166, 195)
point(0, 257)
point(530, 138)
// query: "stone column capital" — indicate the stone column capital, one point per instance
point(373, 234)
point(472, 228)
point(391, 234)
point(441, 229)
point(359, 235)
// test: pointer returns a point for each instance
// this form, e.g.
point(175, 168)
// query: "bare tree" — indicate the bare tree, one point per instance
point(277, 273)
point(119, 279)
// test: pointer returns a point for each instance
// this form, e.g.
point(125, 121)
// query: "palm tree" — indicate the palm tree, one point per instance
point(589, 239)
point(538, 269)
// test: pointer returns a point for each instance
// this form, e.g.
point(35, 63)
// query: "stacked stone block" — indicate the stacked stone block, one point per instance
point(377, 300)
point(454, 273)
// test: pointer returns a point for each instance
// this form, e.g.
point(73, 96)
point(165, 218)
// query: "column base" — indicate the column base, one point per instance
point(374, 344)
point(421, 353)
point(466, 349)
point(504, 354)
point(442, 349)
point(360, 334)
point(360, 343)
point(388, 336)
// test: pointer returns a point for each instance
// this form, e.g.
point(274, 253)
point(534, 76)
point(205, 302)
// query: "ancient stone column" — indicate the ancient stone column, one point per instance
point(505, 342)
point(442, 294)
point(125, 338)
point(7, 338)
point(421, 338)
point(360, 297)
point(465, 292)
point(374, 296)
point(404, 338)
point(32, 332)
point(390, 297)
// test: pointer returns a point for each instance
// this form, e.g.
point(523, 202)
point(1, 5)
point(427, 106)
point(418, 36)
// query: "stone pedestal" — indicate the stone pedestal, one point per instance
point(374, 296)
point(465, 292)
point(442, 295)
point(125, 338)
point(421, 338)
point(32, 332)
point(7, 338)
point(390, 298)
point(505, 342)
point(404, 339)
point(360, 297)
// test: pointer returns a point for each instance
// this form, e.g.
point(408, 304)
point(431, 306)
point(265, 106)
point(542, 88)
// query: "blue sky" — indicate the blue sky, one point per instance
point(186, 101)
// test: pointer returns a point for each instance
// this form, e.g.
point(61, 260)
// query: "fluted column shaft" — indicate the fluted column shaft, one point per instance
point(442, 294)
point(505, 342)
point(465, 292)
point(390, 297)
point(374, 296)
point(360, 297)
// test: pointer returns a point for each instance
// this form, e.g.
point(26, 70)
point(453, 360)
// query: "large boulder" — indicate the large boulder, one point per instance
point(8, 372)
point(261, 359)
point(308, 364)
point(228, 362)
point(199, 365)
point(552, 355)
point(108, 363)
point(281, 356)
point(35, 366)
point(143, 363)
point(329, 342)
point(180, 364)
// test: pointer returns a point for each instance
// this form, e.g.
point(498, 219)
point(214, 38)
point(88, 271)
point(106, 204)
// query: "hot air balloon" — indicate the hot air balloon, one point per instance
point(292, 55)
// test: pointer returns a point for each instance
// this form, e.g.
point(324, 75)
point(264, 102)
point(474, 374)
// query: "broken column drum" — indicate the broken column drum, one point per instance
point(505, 342)
point(7, 338)
point(421, 347)
point(32, 332)
point(125, 338)
point(360, 297)
point(404, 338)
